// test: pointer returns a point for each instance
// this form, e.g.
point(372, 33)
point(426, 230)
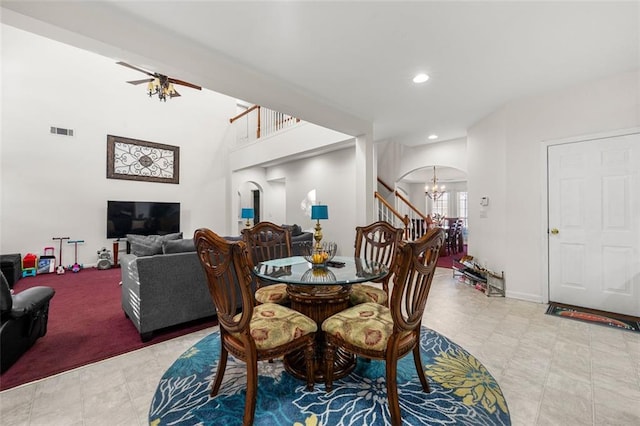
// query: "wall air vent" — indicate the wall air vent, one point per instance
point(61, 131)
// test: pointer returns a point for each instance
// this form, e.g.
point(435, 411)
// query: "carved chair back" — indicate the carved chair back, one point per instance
point(267, 241)
point(412, 279)
point(229, 278)
point(380, 242)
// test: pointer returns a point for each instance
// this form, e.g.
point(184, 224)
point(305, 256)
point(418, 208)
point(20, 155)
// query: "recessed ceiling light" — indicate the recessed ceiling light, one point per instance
point(420, 78)
point(432, 137)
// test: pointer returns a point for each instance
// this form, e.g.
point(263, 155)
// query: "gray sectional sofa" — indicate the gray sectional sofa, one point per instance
point(163, 283)
point(163, 290)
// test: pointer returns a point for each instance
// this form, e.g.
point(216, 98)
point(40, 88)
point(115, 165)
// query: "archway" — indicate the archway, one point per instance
point(450, 206)
point(451, 203)
point(249, 196)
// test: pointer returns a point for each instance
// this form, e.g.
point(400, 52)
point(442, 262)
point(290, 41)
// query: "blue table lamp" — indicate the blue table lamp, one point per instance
point(318, 212)
point(247, 213)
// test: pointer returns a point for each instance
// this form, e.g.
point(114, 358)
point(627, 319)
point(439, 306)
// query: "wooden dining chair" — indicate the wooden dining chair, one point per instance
point(374, 331)
point(451, 242)
point(460, 236)
point(258, 332)
point(268, 241)
point(378, 241)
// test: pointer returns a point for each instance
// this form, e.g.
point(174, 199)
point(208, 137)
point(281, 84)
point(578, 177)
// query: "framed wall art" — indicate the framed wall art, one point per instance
point(133, 159)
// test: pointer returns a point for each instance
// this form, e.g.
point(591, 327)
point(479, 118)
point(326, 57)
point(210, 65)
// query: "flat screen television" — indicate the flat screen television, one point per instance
point(142, 218)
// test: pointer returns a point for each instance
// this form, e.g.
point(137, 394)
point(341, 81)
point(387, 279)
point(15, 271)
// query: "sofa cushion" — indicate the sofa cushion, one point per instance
point(148, 245)
point(178, 246)
point(294, 229)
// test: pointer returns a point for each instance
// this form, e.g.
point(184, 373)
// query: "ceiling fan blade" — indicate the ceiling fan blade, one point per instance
point(124, 64)
point(184, 83)
point(146, 80)
point(174, 94)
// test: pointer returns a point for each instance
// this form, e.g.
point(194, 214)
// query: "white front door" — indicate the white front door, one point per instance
point(594, 224)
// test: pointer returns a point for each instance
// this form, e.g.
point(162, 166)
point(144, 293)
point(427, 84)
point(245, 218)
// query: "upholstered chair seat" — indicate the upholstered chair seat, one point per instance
point(367, 326)
point(364, 293)
point(274, 325)
point(274, 293)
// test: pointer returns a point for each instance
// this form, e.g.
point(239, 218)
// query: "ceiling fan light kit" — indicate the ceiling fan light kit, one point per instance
point(161, 87)
point(159, 84)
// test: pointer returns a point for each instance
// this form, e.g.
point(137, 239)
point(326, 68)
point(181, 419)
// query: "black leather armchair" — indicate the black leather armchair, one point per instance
point(23, 320)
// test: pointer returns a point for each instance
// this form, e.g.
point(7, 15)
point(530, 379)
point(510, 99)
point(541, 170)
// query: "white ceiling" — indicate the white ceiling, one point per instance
point(349, 65)
point(444, 175)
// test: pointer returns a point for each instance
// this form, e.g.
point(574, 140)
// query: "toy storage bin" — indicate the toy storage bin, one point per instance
point(29, 264)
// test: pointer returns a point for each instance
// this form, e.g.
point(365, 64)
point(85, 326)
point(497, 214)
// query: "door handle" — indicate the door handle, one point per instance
point(554, 231)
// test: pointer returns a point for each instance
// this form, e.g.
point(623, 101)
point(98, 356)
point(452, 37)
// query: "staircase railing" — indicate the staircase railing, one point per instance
point(389, 214)
point(404, 214)
point(266, 121)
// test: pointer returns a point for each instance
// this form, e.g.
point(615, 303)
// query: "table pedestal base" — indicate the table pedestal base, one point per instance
point(319, 303)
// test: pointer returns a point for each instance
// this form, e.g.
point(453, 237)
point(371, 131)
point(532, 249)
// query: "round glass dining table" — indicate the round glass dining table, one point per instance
point(319, 293)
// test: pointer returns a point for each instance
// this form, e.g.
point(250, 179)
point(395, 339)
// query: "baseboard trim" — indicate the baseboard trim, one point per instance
point(527, 297)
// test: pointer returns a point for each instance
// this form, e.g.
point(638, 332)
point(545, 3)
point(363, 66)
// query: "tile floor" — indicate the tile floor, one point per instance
point(552, 371)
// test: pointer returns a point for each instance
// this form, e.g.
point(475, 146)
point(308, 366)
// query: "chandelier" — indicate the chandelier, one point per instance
point(162, 87)
point(433, 192)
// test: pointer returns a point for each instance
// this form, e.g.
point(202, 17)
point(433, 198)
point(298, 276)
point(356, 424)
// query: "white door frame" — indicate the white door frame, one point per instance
point(544, 185)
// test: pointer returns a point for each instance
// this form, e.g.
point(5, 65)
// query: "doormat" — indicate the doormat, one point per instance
point(586, 315)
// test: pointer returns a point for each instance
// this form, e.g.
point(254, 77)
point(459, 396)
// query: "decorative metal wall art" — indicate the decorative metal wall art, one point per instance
point(134, 159)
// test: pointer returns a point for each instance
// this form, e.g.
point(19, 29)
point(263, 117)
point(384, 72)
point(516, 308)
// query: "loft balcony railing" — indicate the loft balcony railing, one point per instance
point(261, 122)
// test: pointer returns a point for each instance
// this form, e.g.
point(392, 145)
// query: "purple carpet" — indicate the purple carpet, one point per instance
point(86, 324)
point(447, 261)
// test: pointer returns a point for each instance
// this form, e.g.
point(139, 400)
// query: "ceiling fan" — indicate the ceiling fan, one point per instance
point(159, 84)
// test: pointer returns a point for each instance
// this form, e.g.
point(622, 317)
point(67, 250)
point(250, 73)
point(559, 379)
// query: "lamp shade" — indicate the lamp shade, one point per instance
point(246, 214)
point(319, 212)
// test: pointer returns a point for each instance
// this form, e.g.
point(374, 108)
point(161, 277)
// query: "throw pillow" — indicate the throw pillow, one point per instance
point(145, 245)
point(175, 236)
point(178, 246)
point(148, 245)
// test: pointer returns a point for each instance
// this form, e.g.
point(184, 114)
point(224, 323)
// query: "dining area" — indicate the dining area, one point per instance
point(319, 327)
point(305, 326)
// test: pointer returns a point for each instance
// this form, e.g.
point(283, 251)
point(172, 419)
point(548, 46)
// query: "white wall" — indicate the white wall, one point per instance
point(505, 163)
point(333, 177)
point(451, 153)
point(57, 186)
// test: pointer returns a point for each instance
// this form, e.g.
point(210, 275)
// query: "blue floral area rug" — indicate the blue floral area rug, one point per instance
point(463, 392)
